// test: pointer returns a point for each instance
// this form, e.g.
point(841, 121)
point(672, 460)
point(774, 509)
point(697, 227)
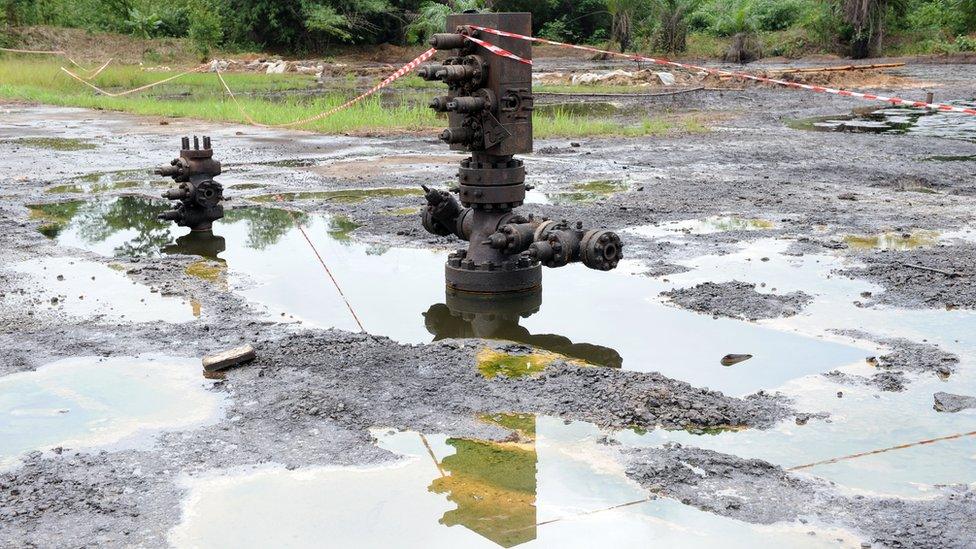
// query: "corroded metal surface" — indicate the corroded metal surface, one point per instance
point(489, 107)
point(198, 196)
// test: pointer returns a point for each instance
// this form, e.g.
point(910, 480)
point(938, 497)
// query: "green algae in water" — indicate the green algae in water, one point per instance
point(206, 270)
point(524, 424)
point(493, 363)
point(589, 192)
point(350, 196)
point(52, 143)
point(892, 241)
point(340, 226)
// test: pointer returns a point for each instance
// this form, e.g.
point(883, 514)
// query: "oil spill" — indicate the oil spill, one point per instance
point(863, 419)
point(588, 192)
point(345, 196)
point(708, 225)
point(615, 319)
point(102, 182)
point(553, 485)
point(893, 240)
point(90, 402)
point(897, 120)
point(85, 289)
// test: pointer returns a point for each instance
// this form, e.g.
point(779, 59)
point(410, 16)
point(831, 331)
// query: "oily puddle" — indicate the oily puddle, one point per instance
point(382, 165)
point(101, 182)
point(611, 319)
point(708, 225)
point(900, 241)
point(51, 143)
point(590, 191)
point(87, 402)
point(897, 120)
point(345, 196)
point(90, 290)
point(552, 487)
point(863, 420)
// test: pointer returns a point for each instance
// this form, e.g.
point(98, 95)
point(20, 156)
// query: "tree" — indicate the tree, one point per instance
point(626, 14)
point(672, 31)
point(432, 17)
point(867, 19)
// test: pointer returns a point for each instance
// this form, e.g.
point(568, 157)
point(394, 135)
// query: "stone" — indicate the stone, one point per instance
point(948, 402)
point(228, 358)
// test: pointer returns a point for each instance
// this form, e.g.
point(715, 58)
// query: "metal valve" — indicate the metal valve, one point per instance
point(198, 196)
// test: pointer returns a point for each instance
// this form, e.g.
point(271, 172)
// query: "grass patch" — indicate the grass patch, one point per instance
point(202, 97)
point(52, 143)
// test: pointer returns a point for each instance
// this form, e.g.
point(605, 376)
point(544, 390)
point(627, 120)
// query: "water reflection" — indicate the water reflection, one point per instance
point(607, 319)
point(493, 483)
point(499, 317)
point(898, 120)
point(202, 243)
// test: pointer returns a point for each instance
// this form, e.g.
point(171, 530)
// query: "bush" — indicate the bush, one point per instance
point(206, 30)
point(776, 15)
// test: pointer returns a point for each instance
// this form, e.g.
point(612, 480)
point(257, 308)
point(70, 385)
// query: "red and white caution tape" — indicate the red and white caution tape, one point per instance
point(498, 51)
point(403, 71)
point(740, 75)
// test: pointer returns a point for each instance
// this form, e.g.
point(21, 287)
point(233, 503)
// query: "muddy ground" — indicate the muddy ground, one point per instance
point(312, 394)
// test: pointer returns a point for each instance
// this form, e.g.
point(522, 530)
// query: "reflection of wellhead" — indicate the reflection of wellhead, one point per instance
point(467, 315)
point(489, 107)
point(198, 195)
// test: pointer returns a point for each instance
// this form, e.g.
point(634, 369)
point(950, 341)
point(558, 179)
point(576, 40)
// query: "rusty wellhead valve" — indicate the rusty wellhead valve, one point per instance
point(198, 196)
point(489, 108)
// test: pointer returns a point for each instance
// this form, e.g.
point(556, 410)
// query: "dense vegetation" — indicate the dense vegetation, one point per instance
point(740, 29)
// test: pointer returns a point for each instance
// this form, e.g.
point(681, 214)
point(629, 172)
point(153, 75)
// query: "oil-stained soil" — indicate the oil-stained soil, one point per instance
point(312, 394)
point(737, 300)
point(757, 491)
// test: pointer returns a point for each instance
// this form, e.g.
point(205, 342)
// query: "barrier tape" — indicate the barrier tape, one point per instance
point(740, 75)
point(134, 90)
point(498, 51)
point(882, 450)
point(328, 271)
point(404, 70)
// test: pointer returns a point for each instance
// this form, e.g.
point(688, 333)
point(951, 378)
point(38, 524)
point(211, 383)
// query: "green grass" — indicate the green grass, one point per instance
point(201, 96)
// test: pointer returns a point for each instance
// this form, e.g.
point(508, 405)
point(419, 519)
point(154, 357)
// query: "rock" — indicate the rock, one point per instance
point(666, 78)
point(228, 358)
point(278, 67)
point(947, 402)
point(732, 360)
